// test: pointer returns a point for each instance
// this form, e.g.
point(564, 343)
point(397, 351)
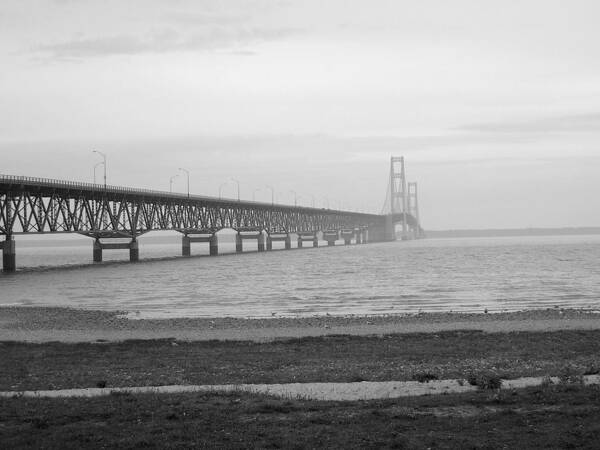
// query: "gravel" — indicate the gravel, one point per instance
point(43, 324)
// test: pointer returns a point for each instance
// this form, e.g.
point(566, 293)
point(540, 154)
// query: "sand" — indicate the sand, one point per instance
point(40, 324)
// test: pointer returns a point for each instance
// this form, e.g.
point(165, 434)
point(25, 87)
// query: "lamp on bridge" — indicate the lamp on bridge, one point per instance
point(238, 187)
point(171, 182)
point(95, 166)
point(187, 172)
point(272, 194)
point(295, 197)
point(104, 163)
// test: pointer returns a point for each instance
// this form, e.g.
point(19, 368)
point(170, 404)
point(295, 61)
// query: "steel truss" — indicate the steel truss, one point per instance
point(35, 205)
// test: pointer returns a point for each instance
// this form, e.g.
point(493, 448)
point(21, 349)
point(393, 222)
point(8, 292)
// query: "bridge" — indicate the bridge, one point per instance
point(111, 215)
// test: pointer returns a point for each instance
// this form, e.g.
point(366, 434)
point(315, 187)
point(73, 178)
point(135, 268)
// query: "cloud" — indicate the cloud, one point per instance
point(572, 123)
point(167, 40)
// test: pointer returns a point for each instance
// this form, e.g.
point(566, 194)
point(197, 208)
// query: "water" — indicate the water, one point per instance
point(460, 275)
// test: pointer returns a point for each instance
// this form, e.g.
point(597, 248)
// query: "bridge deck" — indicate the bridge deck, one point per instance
point(13, 184)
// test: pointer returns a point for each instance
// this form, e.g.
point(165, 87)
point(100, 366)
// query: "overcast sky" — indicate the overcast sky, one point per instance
point(494, 104)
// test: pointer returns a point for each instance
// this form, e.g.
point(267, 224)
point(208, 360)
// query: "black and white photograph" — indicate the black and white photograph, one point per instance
point(299, 224)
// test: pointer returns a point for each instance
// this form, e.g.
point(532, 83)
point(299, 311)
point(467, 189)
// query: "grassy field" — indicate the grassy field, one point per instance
point(562, 416)
point(453, 354)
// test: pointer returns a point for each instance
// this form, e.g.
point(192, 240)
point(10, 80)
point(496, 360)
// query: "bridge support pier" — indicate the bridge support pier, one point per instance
point(286, 238)
point(206, 236)
point(330, 236)
point(132, 246)
point(258, 235)
point(347, 236)
point(213, 245)
point(186, 246)
point(358, 236)
point(97, 250)
point(307, 236)
point(9, 254)
point(261, 242)
point(134, 251)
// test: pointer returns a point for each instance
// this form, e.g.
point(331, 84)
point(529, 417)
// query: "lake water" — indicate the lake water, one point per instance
point(460, 275)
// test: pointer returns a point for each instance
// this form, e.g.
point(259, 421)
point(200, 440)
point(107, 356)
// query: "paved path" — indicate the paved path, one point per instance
point(364, 390)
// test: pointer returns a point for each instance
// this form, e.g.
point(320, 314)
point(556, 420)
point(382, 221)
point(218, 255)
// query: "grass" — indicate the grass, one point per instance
point(453, 354)
point(554, 416)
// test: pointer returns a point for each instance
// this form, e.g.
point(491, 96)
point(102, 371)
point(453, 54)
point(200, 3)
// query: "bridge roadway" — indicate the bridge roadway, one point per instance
point(110, 214)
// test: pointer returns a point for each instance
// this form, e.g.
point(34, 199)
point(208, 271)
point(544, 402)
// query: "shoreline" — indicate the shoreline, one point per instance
point(45, 324)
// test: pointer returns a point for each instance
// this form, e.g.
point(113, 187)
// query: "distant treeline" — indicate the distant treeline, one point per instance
point(512, 232)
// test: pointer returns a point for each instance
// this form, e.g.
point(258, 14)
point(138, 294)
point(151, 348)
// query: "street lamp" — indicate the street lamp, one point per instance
point(254, 193)
point(95, 166)
point(238, 187)
point(104, 163)
point(313, 200)
point(171, 182)
point(221, 187)
point(272, 194)
point(187, 172)
point(327, 200)
point(295, 197)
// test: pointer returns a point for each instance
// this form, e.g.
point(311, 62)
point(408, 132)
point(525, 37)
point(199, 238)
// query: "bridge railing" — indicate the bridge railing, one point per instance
point(49, 182)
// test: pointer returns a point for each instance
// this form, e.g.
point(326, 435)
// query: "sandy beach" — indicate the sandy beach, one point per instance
point(37, 324)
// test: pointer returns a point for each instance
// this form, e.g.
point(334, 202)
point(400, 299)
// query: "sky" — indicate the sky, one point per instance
point(495, 105)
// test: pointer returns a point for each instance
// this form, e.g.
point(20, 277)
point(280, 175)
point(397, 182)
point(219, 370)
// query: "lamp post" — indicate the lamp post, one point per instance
point(272, 194)
point(187, 172)
point(221, 188)
point(104, 163)
point(238, 187)
point(327, 200)
point(171, 182)
point(313, 200)
point(295, 197)
point(254, 193)
point(95, 166)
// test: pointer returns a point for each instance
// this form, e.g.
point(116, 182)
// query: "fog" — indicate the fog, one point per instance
point(495, 106)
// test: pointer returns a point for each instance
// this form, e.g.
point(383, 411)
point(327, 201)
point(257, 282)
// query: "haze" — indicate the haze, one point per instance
point(495, 105)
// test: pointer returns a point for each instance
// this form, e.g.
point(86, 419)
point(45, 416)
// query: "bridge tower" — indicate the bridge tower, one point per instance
point(398, 192)
point(413, 207)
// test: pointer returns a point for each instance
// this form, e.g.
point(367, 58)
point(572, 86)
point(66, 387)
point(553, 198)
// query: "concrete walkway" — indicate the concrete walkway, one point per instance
point(365, 390)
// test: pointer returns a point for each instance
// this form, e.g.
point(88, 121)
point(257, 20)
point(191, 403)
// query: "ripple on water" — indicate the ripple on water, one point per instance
point(461, 275)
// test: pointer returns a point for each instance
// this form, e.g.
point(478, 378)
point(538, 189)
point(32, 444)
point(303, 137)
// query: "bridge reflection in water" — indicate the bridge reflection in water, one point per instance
point(111, 215)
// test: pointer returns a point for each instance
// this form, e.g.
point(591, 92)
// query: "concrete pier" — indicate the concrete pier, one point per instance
point(307, 236)
point(9, 255)
point(132, 246)
point(211, 238)
point(134, 251)
point(213, 245)
point(261, 242)
point(286, 238)
point(330, 236)
point(241, 236)
point(186, 246)
point(97, 250)
point(347, 235)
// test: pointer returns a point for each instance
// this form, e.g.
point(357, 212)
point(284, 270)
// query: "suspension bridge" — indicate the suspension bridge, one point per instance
point(114, 217)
